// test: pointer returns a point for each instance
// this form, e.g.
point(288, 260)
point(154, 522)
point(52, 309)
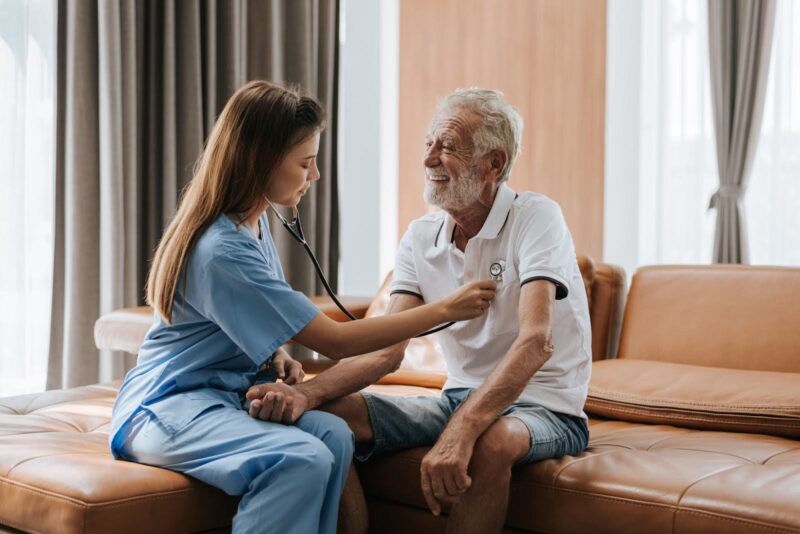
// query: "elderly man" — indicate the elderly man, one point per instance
point(517, 375)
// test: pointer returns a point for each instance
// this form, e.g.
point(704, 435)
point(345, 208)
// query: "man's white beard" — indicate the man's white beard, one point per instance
point(457, 194)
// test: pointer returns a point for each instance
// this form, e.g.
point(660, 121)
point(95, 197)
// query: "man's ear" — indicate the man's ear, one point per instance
point(498, 160)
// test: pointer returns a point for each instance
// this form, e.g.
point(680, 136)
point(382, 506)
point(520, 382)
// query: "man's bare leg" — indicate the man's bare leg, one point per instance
point(353, 516)
point(482, 508)
point(353, 409)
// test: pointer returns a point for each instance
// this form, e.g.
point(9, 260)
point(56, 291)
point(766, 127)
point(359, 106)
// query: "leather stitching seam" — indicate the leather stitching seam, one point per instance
point(88, 506)
point(741, 521)
point(778, 454)
point(695, 418)
point(604, 394)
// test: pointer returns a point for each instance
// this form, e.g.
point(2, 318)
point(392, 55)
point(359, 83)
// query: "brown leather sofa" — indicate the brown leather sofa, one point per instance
point(694, 426)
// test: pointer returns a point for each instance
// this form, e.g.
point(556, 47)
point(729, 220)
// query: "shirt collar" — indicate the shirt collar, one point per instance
point(498, 215)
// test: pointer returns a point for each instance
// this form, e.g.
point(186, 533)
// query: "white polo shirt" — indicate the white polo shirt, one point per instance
point(526, 234)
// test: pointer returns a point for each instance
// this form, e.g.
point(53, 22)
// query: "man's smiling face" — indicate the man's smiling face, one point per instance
point(451, 180)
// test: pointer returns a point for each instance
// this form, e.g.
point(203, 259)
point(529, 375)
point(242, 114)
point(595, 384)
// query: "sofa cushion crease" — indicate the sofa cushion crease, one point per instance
point(696, 396)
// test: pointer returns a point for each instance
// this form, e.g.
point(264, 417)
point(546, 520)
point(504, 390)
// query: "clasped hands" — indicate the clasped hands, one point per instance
point(443, 470)
point(280, 402)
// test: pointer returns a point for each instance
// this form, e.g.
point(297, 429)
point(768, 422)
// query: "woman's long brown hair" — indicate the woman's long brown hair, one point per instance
point(259, 125)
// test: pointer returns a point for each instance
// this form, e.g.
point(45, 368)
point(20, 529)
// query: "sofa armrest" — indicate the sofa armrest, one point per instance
point(357, 305)
point(606, 308)
point(125, 329)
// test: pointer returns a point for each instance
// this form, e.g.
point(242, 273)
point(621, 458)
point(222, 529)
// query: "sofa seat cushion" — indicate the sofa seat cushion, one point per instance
point(637, 478)
point(693, 396)
point(57, 474)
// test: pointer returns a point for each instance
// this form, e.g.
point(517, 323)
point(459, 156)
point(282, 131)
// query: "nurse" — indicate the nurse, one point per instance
point(223, 310)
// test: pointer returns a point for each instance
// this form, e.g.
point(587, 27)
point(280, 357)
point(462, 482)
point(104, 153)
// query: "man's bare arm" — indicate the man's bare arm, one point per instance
point(529, 352)
point(354, 374)
point(445, 465)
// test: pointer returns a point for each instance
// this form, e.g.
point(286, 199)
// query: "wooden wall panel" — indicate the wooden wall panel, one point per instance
point(548, 57)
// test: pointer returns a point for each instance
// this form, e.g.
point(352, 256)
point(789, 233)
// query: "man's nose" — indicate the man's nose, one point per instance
point(431, 157)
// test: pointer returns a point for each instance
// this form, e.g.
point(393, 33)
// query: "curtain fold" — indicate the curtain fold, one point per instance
point(140, 85)
point(740, 39)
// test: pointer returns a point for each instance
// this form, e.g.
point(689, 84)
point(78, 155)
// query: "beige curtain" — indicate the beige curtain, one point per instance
point(140, 84)
point(740, 39)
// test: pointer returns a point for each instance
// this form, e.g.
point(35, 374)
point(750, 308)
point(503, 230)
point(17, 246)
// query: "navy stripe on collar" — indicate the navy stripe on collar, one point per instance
point(439, 231)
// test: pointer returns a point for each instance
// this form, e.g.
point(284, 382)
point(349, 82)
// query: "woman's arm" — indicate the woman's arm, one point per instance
point(340, 340)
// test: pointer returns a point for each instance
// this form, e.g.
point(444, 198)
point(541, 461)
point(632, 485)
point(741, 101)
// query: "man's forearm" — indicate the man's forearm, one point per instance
point(351, 375)
point(354, 374)
point(501, 388)
point(532, 348)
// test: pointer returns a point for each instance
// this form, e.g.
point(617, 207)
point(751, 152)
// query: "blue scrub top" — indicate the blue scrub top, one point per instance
point(234, 311)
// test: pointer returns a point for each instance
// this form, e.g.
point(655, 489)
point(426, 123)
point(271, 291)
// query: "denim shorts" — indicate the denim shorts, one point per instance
point(404, 422)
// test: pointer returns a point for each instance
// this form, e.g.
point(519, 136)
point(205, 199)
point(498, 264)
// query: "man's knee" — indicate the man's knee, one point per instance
point(353, 409)
point(503, 443)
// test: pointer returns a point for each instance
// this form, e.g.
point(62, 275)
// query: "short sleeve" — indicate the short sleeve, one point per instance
point(258, 311)
point(404, 278)
point(544, 247)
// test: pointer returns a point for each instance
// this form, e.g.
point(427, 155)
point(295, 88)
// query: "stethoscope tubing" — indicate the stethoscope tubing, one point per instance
point(300, 237)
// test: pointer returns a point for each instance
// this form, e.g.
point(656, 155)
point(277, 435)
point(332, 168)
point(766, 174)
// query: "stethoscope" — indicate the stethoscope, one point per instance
point(296, 229)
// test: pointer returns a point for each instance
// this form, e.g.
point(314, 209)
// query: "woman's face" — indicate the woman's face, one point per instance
point(292, 178)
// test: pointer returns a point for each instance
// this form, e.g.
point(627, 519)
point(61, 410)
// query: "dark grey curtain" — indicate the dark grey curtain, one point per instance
point(140, 84)
point(740, 39)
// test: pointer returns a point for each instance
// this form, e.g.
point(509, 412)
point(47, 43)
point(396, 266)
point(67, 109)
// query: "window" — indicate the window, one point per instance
point(678, 159)
point(772, 204)
point(670, 135)
point(27, 155)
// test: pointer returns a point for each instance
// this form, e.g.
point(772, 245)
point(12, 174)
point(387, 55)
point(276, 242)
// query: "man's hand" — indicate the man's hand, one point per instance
point(277, 402)
point(287, 368)
point(444, 471)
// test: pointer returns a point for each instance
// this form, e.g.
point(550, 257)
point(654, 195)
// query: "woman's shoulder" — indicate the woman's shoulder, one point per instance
point(222, 241)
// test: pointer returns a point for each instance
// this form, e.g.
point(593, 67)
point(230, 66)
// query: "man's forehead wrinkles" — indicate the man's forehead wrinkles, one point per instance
point(450, 123)
point(455, 127)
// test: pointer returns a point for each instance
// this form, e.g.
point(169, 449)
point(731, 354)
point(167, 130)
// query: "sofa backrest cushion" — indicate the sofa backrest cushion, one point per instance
point(739, 317)
point(605, 289)
point(693, 396)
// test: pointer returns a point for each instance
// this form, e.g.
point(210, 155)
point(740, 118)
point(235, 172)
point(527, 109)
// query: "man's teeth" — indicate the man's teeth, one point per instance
point(437, 178)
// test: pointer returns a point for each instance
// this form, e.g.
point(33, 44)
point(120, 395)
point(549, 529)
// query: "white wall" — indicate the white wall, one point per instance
point(367, 143)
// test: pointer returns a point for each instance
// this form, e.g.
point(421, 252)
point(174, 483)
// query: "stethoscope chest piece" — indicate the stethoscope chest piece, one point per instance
point(496, 270)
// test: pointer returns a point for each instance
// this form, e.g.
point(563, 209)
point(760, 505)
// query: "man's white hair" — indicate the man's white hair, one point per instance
point(500, 125)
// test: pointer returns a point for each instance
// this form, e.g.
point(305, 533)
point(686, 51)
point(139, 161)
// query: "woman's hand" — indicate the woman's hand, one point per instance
point(470, 300)
point(287, 368)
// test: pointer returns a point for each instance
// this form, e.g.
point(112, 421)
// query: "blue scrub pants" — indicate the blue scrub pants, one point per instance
point(290, 477)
